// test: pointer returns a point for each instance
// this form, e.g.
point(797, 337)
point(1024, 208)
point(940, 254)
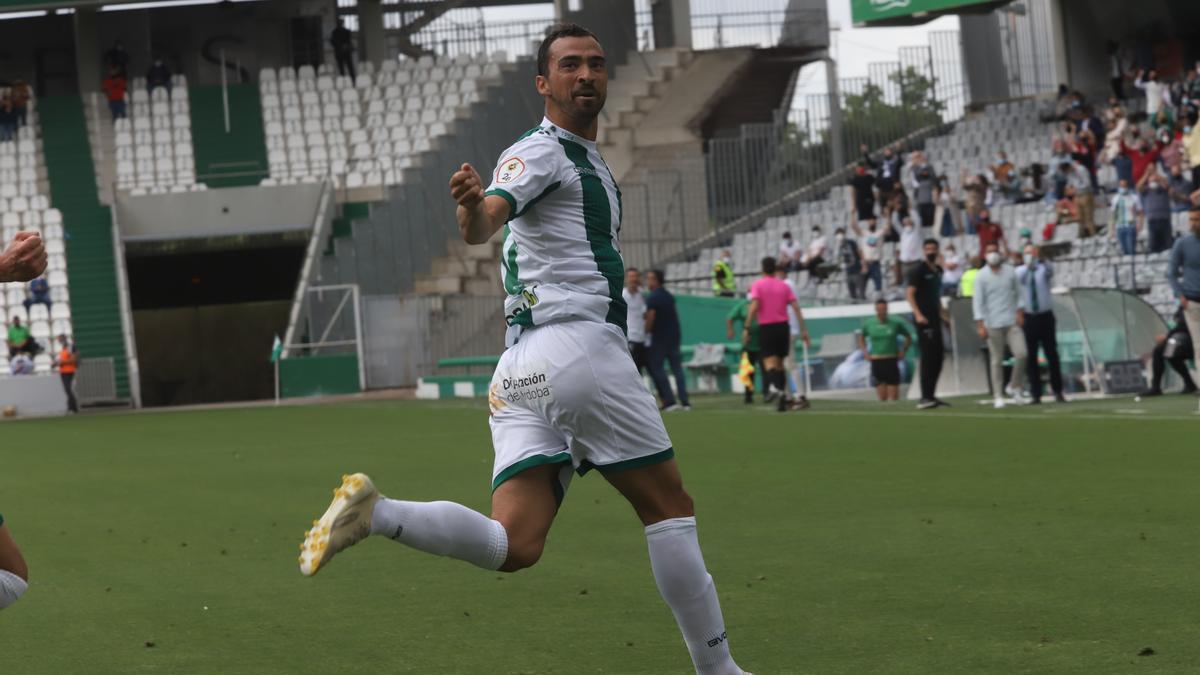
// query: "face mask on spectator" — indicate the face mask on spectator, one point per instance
point(1123, 190)
point(841, 238)
point(816, 233)
point(993, 258)
point(950, 251)
point(931, 257)
point(1157, 186)
point(1028, 258)
point(1187, 130)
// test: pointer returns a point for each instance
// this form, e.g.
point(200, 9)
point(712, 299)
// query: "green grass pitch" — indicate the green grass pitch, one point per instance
point(853, 538)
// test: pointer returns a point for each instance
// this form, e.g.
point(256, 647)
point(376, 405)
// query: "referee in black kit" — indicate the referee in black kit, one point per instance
point(925, 298)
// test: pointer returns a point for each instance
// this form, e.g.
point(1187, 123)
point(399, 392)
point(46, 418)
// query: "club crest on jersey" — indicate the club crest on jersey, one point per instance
point(510, 170)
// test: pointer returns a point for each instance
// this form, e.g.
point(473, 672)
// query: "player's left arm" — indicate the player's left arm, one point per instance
point(650, 314)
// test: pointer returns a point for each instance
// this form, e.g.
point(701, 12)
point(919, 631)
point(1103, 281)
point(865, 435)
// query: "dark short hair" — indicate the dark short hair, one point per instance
point(841, 230)
point(660, 275)
point(881, 300)
point(553, 33)
point(768, 265)
point(933, 241)
point(630, 269)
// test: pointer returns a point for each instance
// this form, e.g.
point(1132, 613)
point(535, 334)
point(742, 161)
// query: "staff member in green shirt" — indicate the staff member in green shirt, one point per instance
point(749, 341)
point(723, 282)
point(19, 339)
point(878, 339)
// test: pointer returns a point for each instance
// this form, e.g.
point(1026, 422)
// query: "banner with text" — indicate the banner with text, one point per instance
point(870, 11)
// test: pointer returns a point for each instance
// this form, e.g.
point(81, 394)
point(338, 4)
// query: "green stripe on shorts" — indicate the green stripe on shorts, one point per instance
point(529, 463)
point(625, 465)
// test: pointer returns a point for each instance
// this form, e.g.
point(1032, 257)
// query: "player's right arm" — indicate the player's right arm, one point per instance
point(25, 258)
point(479, 216)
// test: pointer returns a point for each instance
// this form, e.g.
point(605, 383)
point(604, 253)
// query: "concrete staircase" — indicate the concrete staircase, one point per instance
point(103, 141)
point(464, 270)
point(639, 88)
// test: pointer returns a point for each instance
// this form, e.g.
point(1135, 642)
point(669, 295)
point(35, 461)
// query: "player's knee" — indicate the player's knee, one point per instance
point(522, 555)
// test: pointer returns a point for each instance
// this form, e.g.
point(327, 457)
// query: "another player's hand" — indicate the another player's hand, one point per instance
point(466, 187)
point(982, 332)
point(25, 258)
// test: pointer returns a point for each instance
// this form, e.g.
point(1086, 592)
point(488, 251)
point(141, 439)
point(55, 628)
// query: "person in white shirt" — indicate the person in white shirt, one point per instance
point(911, 249)
point(953, 267)
point(635, 303)
point(999, 319)
point(1157, 93)
point(871, 243)
point(791, 254)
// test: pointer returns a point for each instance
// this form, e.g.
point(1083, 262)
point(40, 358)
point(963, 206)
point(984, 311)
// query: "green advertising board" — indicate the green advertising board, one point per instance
point(909, 11)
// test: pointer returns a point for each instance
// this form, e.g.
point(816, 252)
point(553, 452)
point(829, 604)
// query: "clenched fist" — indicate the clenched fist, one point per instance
point(466, 187)
point(25, 258)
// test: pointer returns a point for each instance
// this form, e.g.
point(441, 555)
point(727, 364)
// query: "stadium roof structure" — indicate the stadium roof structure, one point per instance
point(21, 6)
point(915, 12)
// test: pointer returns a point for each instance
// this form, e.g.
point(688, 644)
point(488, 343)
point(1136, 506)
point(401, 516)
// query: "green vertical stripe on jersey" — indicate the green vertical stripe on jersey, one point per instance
point(597, 219)
point(512, 280)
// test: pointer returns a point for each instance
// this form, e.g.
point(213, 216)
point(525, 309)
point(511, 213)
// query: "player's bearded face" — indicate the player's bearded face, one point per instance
point(578, 77)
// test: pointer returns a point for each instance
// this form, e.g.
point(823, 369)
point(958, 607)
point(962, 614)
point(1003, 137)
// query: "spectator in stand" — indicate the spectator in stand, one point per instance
point(924, 296)
point(979, 199)
point(999, 318)
point(878, 341)
point(114, 87)
point(748, 334)
point(1163, 121)
point(966, 287)
point(1085, 199)
point(1065, 210)
point(1191, 150)
point(1126, 218)
point(814, 257)
point(1118, 126)
point(19, 339)
point(158, 75)
point(791, 254)
point(872, 253)
point(911, 249)
point(953, 267)
point(924, 184)
point(1006, 177)
point(862, 184)
point(1156, 205)
point(66, 362)
point(1171, 143)
point(1090, 123)
point(8, 119)
point(635, 317)
point(887, 169)
point(21, 95)
point(896, 209)
point(1180, 189)
point(117, 58)
point(991, 232)
point(1116, 67)
point(724, 283)
point(1157, 93)
point(1176, 348)
point(1059, 155)
point(665, 336)
point(1036, 278)
point(847, 253)
point(1183, 272)
point(948, 216)
point(1084, 151)
point(1142, 155)
point(39, 293)
point(342, 41)
point(21, 364)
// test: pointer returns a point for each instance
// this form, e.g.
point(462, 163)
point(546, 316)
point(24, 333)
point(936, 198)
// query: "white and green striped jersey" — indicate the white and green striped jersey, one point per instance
point(560, 260)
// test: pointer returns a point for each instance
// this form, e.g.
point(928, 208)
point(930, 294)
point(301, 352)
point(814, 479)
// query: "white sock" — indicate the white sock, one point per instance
point(688, 589)
point(12, 587)
point(443, 528)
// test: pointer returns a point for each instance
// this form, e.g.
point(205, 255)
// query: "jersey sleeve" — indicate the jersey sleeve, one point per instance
point(526, 172)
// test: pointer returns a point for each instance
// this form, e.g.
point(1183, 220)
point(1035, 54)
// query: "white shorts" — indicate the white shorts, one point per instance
point(568, 393)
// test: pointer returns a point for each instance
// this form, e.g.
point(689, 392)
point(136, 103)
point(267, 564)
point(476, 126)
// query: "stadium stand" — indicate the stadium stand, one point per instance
point(1025, 130)
point(154, 152)
point(365, 133)
point(25, 205)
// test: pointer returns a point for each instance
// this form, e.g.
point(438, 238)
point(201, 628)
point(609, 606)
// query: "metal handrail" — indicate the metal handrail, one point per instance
point(312, 255)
